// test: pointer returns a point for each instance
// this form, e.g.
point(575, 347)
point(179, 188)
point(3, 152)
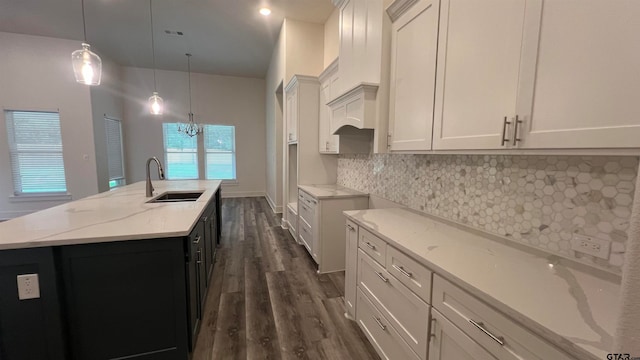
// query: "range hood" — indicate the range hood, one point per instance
point(354, 112)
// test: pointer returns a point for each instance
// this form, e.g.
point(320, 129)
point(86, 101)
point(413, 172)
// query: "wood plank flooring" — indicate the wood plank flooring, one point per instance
point(266, 300)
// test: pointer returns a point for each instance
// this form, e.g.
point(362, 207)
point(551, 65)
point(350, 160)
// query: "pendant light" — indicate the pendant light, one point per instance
point(191, 128)
point(87, 65)
point(156, 104)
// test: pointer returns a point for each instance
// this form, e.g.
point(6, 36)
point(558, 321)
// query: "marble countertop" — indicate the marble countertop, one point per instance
point(330, 191)
point(574, 309)
point(120, 214)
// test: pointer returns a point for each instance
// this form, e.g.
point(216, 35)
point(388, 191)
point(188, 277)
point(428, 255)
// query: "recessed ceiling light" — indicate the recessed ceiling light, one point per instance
point(265, 11)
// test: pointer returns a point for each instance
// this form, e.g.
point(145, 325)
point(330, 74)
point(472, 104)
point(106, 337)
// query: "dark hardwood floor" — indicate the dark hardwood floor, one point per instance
point(266, 300)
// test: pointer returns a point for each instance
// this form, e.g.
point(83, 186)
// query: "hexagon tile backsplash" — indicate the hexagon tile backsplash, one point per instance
point(537, 200)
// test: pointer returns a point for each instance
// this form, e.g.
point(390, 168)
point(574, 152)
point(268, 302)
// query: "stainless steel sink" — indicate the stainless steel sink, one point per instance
point(176, 196)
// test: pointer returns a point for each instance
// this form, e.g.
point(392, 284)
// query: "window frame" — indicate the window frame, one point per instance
point(233, 152)
point(17, 194)
point(119, 180)
point(166, 158)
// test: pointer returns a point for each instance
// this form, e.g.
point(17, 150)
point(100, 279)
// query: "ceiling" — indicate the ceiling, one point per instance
point(226, 37)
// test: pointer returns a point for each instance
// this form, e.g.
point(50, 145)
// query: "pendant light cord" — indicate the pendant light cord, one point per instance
point(84, 23)
point(153, 50)
point(189, 72)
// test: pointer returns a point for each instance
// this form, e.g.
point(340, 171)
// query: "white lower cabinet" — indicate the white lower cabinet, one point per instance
point(381, 334)
point(292, 216)
point(320, 228)
point(450, 343)
point(409, 312)
point(351, 268)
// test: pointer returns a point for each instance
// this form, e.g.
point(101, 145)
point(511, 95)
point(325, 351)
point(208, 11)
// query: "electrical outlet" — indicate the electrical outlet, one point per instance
point(591, 246)
point(28, 286)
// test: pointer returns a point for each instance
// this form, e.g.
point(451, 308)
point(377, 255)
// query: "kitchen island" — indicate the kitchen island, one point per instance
point(117, 276)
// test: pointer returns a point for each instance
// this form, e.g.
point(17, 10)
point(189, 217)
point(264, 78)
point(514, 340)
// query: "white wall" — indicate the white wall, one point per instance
point(273, 123)
point(36, 74)
point(332, 37)
point(106, 100)
point(299, 50)
point(217, 99)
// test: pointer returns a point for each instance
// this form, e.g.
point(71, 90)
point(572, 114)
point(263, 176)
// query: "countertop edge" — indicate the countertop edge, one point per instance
point(542, 331)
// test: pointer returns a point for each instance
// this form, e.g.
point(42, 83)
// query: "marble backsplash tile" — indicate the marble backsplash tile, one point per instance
point(537, 200)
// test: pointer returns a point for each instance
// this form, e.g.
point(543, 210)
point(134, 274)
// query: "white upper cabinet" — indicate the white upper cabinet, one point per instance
point(486, 66)
point(360, 42)
point(414, 45)
point(328, 143)
point(588, 77)
point(291, 113)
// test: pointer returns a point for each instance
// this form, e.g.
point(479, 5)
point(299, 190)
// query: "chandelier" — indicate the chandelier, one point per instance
point(191, 128)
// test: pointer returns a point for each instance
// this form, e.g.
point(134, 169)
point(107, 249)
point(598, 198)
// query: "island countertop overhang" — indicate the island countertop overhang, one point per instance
point(117, 215)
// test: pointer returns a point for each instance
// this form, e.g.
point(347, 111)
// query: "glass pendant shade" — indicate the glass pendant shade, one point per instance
point(87, 66)
point(156, 104)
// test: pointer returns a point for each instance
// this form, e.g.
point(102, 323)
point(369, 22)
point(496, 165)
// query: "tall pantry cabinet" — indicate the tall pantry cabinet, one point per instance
point(303, 165)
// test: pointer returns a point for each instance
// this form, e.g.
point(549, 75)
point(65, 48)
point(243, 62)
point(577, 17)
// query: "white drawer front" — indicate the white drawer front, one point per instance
point(502, 337)
point(408, 314)
point(307, 199)
point(293, 219)
point(306, 236)
point(307, 213)
point(372, 245)
point(411, 273)
point(448, 342)
point(382, 335)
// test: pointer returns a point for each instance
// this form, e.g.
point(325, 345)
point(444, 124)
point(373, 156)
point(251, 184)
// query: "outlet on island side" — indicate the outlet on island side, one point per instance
point(591, 246)
point(28, 286)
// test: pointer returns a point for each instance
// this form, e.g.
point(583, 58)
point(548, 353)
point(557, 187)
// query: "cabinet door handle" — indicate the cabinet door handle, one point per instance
point(432, 332)
point(384, 279)
point(516, 139)
point(351, 228)
point(199, 261)
point(371, 246)
point(504, 131)
point(197, 239)
point(403, 271)
point(480, 326)
point(382, 326)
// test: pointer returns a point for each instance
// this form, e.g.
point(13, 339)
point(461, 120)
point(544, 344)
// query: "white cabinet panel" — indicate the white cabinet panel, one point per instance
point(351, 269)
point(587, 82)
point(413, 74)
point(449, 343)
point(484, 69)
point(292, 114)
point(328, 143)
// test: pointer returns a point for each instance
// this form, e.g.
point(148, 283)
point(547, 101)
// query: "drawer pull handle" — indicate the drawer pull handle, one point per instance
point(371, 246)
point(351, 228)
point(403, 271)
point(480, 326)
point(382, 326)
point(382, 277)
point(197, 239)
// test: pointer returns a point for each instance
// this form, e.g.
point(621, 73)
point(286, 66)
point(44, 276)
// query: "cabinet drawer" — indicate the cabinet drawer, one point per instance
point(307, 213)
point(307, 199)
point(384, 337)
point(406, 312)
point(449, 342)
point(372, 245)
point(306, 236)
point(293, 219)
point(502, 337)
point(411, 273)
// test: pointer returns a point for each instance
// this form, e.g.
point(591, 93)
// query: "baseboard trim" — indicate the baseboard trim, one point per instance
point(238, 194)
point(276, 209)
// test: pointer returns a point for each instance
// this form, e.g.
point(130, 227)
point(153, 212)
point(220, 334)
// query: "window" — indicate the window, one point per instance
point(114, 152)
point(35, 146)
point(181, 153)
point(220, 152)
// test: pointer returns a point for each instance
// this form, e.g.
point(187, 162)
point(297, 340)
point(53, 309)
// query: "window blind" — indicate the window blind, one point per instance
point(35, 146)
point(181, 153)
point(114, 148)
point(220, 152)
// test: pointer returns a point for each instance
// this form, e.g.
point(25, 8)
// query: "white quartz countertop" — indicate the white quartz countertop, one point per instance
point(330, 191)
point(120, 214)
point(574, 309)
